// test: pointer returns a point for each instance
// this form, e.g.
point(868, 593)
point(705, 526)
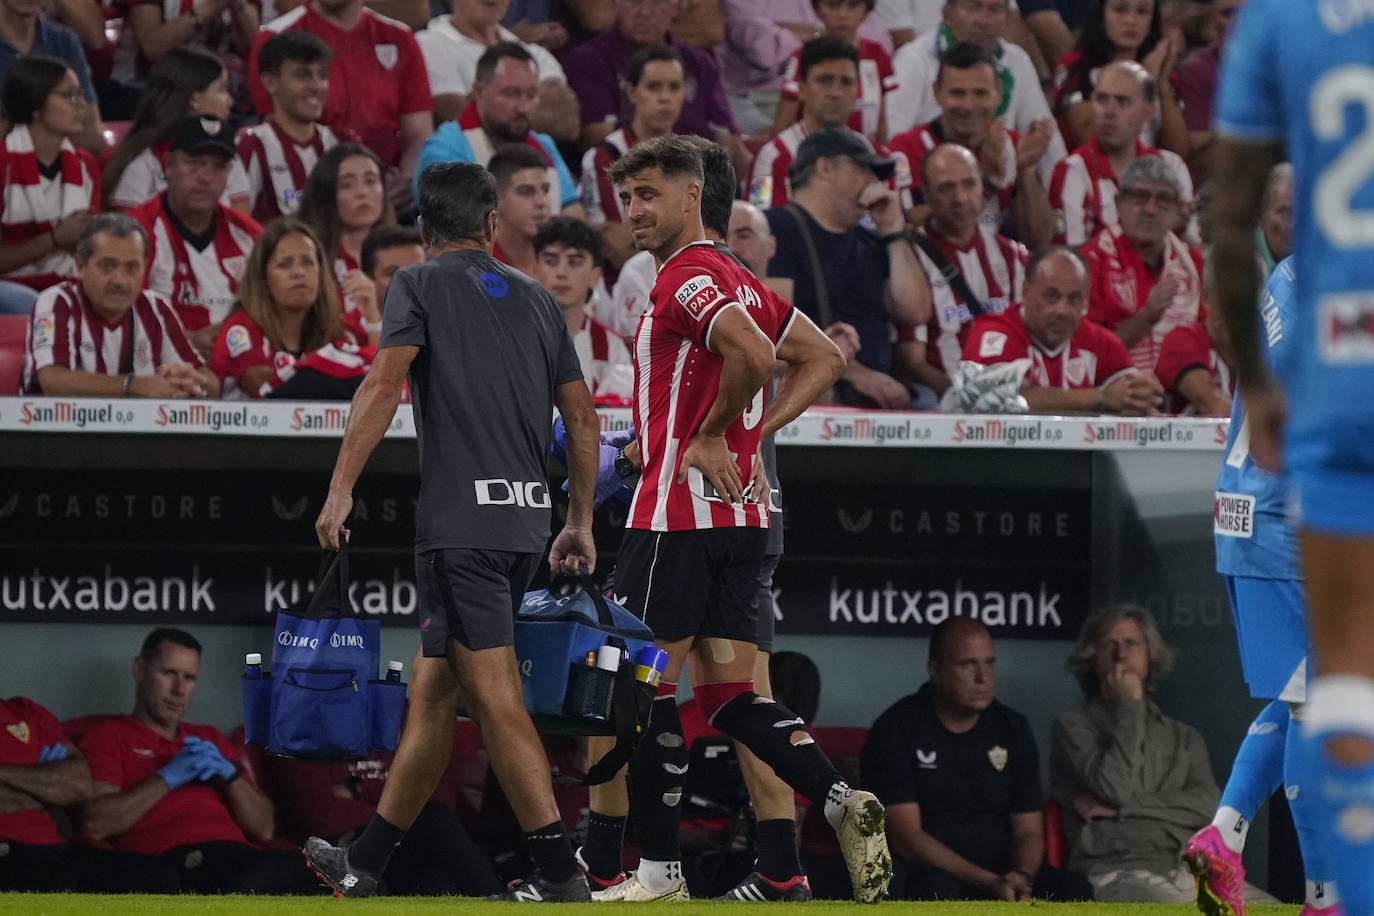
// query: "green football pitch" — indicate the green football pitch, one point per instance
point(83, 905)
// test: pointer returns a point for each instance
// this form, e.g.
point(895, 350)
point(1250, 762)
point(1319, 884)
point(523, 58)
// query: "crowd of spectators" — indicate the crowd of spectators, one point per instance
point(907, 158)
point(153, 802)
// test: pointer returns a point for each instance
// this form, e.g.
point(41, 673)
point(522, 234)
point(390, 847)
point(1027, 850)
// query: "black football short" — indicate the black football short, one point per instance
point(693, 583)
point(470, 595)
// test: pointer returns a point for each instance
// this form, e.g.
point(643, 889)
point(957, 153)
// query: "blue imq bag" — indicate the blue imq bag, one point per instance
point(557, 631)
point(324, 700)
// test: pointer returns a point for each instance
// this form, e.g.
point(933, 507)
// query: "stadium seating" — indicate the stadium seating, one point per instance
point(113, 133)
point(11, 352)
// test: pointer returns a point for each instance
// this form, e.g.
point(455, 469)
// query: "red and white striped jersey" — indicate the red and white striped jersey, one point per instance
point(200, 276)
point(31, 203)
point(378, 75)
point(241, 345)
point(914, 144)
point(1091, 358)
point(1121, 282)
point(1185, 349)
point(876, 79)
point(1083, 190)
point(619, 304)
point(277, 167)
point(145, 177)
point(677, 378)
point(993, 266)
point(66, 331)
point(768, 184)
point(599, 196)
point(606, 363)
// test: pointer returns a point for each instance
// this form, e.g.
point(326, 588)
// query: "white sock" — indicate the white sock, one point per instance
point(1322, 895)
point(834, 803)
point(1233, 827)
point(659, 877)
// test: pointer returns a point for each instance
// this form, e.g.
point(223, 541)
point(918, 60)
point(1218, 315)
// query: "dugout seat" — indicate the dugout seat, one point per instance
point(12, 329)
point(113, 133)
point(1056, 846)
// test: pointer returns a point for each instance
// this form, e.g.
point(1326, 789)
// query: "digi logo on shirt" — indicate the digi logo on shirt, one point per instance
point(526, 494)
point(698, 294)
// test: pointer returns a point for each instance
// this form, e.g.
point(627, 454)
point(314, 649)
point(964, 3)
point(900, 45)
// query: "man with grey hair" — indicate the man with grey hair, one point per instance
point(1146, 281)
point(104, 335)
point(1133, 783)
point(1083, 189)
point(483, 516)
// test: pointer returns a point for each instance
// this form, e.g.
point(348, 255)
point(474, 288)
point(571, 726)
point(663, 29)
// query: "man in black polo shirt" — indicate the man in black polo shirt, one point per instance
point(489, 357)
point(960, 775)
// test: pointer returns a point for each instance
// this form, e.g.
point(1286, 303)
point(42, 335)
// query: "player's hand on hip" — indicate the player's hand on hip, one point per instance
point(329, 527)
point(760, 488)
point(710, 456)
point(572, 548)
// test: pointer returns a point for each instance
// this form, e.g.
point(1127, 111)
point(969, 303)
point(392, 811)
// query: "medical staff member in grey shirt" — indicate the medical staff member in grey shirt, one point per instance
point(489, 358)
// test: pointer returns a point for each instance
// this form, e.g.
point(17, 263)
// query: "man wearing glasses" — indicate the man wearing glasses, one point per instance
point(1146, 281)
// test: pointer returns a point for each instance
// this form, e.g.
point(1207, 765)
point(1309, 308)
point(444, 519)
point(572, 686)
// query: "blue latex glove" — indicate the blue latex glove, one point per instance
point(212, 762)
point(53, 753)
point(608, 482)
point(558, 444)
point(184, 767)
point(620, 438)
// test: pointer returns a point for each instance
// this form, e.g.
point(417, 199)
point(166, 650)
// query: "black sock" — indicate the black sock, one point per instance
point(371, 851)
point(658, 770)
point(778, 850)
point(779, 738)
point(552, 852)
point(605, 842)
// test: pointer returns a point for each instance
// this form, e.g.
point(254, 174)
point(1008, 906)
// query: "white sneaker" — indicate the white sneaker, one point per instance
point(860, 828)
point(632, 891)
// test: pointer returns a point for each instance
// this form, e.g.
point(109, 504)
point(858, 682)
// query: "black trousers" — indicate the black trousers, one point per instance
point(233, 868)
point(1056, 884)
point(81, 869)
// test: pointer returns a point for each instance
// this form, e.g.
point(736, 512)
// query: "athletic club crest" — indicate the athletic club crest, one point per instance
point(1076, 374)
point(387, 55)
point(1123, 286)
point(20, 730)
point(997, 755)
point(211, 126)
point(233, 265)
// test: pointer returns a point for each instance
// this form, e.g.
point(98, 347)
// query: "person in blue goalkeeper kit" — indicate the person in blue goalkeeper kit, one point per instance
point(1297, 80)
point(1257, 554)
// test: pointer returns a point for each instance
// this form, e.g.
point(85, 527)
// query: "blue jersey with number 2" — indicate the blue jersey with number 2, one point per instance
point(1301, 73)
